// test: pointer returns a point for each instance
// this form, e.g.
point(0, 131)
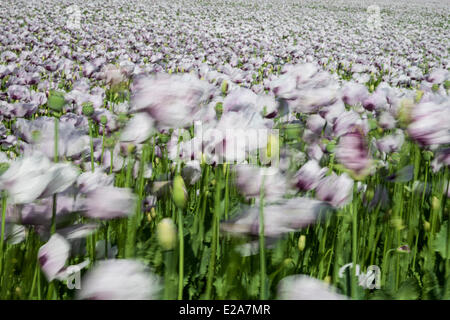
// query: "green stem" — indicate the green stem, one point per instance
point(215, 235)
point(354, 249)
point(262, 256)
point(2, 236)
point(56, 159)
point(92, 146)
point(181, 262)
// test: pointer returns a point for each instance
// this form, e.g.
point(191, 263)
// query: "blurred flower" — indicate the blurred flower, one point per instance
point(337, 190)
point(279, 218)
point(172, 101)
point(302, 287)
point(441, 158)
point(386, 120)
point(119, 280)
point(353, 93)
point(113, 75)
point(53, 256)
point(138, 129)
point(192, 172)
point(108, 202)
point(309, 175)
point(391, 143)
point(405, 174)
point(438, 76)
point(89, 181)
point(430, 123)
point(34, 176)
point(72, 140)
point(249, 180)
point(352, 152)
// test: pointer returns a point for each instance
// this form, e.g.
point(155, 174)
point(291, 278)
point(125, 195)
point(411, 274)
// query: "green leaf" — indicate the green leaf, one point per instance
point(431, 288)
point(409, 290)
point(440, 241)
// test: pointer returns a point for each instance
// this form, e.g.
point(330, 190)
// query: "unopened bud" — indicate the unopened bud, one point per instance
point(426, 225)
point(224, 86)
point(179, 193)
point(301, 242)
point(435, 203)
point(166, 233)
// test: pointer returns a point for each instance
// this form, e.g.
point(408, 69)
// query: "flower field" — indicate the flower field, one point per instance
point(224, 150)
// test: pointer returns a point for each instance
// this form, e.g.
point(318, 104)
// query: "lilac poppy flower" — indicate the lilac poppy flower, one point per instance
point(108, 202)
point(112, 75)
point(89, 181)
point(315, 123)
point(171, 100)
point(438, 76)
point(337, 190)
point(72, 141)
point(353, 93)
point(441, 158)
point(250, 178)
point(138, 129)
point(279, 218)
point(52, 258)
point(309, 175)
point(119, 280)
point(192, 172)
point(391, 143)
point(386, 120)
point(352, 152)
point(315, 152)
point(430, 123)
point(17, 92)
point(303, 287)
point(33, 177)
point(346, 121)
point(53, 255)
point(239, 99)
point(375, 101)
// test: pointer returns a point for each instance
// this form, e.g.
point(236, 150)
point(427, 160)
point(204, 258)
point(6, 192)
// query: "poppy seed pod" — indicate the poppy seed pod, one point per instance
point(56, 101)
point(179, 193)
point(88, 109)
